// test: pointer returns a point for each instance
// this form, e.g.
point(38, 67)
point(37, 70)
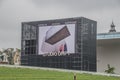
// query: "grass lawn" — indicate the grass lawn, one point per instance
point(37, 74)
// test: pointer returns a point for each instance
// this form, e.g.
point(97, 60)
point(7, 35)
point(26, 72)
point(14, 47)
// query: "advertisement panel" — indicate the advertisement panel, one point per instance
point(57, 39)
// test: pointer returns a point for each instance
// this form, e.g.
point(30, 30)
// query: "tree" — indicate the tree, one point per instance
point(10, 53)
point(110, 69)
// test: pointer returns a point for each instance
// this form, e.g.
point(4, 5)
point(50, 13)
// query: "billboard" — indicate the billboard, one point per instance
point(57, 39)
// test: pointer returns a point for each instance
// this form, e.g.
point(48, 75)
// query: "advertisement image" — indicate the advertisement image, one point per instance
point(57, 39)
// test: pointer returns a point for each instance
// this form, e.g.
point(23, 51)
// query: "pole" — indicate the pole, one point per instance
point(74, 76)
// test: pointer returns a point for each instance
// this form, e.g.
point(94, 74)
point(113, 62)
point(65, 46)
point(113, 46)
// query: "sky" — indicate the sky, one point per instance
point(13, 12)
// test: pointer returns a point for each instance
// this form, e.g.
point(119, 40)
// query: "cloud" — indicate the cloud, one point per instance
point(103, 11)
point(85, 5)
point(1, 2)
point(13, 12)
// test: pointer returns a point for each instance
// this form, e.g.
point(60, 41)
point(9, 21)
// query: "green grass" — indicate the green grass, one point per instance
point(37, 74)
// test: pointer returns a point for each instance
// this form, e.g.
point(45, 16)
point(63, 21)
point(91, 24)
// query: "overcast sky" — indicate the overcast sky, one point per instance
point(13, 12)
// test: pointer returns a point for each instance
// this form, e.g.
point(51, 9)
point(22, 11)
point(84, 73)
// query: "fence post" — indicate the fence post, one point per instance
point(74, 76)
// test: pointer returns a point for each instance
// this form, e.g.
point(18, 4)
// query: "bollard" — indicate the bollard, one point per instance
point(74, 76)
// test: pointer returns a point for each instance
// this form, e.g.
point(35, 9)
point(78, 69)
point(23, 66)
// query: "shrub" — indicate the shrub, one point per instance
point(110, 69)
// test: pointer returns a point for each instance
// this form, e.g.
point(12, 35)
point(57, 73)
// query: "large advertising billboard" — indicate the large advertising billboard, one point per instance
point(57, 39)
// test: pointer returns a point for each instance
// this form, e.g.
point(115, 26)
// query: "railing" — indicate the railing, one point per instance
point(108, 36)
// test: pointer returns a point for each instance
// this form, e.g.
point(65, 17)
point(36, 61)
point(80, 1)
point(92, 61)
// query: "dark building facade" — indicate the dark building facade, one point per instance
point(79, 56)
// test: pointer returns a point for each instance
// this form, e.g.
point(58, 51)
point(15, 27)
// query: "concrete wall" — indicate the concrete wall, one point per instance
point(108, 54)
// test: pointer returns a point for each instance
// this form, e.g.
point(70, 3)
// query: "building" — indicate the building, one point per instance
point(108, 50)
point(63, 43)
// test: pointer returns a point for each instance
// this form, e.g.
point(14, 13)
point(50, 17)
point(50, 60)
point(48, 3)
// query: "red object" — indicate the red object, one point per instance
point(61, 49)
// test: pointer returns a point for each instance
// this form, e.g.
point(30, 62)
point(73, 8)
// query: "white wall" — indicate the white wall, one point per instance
point(108, 54)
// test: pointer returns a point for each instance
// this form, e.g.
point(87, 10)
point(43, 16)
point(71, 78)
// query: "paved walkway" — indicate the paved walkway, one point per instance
point(61, 70)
